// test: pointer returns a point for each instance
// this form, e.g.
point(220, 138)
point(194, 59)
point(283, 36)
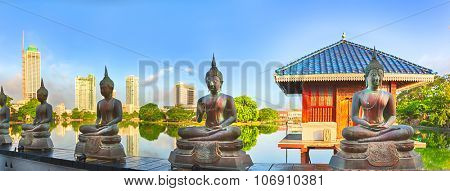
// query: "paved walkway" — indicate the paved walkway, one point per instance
point(65, 157)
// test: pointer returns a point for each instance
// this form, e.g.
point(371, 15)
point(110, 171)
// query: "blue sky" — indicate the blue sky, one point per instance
point(78, 38)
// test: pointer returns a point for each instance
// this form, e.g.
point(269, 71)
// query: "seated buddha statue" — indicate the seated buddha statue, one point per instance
point(109, 112)
point(37, 135)
point(5, 138)
point(375, 143)
point(378, 109)
point(215, 145)
point(220, 113)
point(101, 140)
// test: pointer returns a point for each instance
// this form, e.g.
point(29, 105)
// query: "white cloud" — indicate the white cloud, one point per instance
point(189, 70)
point(159, 74)
point(438, 63)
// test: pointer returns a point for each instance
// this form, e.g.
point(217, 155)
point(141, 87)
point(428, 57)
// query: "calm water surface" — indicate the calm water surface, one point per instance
point(158, 140)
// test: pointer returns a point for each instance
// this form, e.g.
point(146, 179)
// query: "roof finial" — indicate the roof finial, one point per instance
point(343, 36)
point(42, 82)
point(374, 53)
point(213, 62)
point(106, 72)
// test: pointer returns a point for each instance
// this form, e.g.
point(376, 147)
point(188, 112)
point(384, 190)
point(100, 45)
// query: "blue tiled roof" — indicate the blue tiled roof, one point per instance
point(348, 57)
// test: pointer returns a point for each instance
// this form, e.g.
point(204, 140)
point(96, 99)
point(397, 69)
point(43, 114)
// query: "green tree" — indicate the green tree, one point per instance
point(179, 114)
point(427, 105)
point(76, 114)
point(268, 114)
point(8, 101)
point(65, 115)
point(246, 108)
point(88, 115)
point(29, 109)
point(150, 112)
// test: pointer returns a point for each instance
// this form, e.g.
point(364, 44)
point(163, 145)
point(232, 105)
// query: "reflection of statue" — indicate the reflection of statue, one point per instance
point(375, 129)
point(100, 140)
point(206, 147)
point(37, 135)
point(4, 120)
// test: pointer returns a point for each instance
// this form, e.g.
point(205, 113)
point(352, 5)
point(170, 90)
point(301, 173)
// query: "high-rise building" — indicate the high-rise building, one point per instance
point(184, 95)
point(31, 71)
point(132, 93)
point(85, 93)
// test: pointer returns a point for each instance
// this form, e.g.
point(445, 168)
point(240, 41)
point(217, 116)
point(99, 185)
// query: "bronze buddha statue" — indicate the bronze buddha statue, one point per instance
point(376, 143)
point(109, 112)
point(101, 140)
point(378, 108)
point(37, 135)
point(220, 113)
point(5, 138)
point(215, 145)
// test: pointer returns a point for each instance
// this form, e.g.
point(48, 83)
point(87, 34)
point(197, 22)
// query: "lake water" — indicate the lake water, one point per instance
point(158, 140)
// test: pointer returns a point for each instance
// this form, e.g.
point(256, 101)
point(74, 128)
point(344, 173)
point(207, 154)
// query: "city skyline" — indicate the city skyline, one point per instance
point(31, 70)
point(132, 93)
point(85, 93)
point(235, 32)
point(184, 95)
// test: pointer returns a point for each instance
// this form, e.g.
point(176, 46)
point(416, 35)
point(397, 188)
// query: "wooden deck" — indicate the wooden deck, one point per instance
point(65, 159)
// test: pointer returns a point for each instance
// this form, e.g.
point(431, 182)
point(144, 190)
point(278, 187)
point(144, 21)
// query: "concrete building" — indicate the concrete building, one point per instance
point(31, 71)
point(132, 93)
point(184, 95)
point(85, 93)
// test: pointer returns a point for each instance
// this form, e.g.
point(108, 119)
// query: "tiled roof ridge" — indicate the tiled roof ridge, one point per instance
point(352, 44)
point(311, 54)
point(387, 55)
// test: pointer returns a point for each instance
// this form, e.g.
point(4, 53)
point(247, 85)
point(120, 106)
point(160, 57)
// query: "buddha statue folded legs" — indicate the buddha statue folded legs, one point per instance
point(229, 133)
point(101, 140)
point(376, 143)
point(37, 135)
point(215, 145)
point(93, 130)
point(393, 133)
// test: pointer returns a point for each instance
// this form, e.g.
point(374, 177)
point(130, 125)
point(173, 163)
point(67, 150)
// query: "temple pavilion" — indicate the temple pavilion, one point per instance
point(327, 79)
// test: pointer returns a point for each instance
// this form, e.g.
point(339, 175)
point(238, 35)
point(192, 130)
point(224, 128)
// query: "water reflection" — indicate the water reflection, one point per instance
point(159, 139)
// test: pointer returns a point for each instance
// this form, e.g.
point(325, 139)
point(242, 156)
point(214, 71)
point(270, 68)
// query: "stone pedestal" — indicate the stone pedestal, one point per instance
point(4, 135)
point(212, 155)
point(36, 140)
point(389, 155)
point(100, 147)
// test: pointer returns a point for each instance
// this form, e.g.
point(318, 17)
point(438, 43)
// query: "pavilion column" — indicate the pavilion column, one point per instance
point(394, 91)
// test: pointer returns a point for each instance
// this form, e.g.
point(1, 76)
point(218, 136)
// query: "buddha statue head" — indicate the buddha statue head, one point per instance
point(42, 92)
point(3, 97)
point(106, 85)
point(214, 78)
point(374, 72)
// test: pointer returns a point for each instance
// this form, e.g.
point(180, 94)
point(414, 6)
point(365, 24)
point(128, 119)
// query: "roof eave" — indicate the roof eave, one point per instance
point(353, 77)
